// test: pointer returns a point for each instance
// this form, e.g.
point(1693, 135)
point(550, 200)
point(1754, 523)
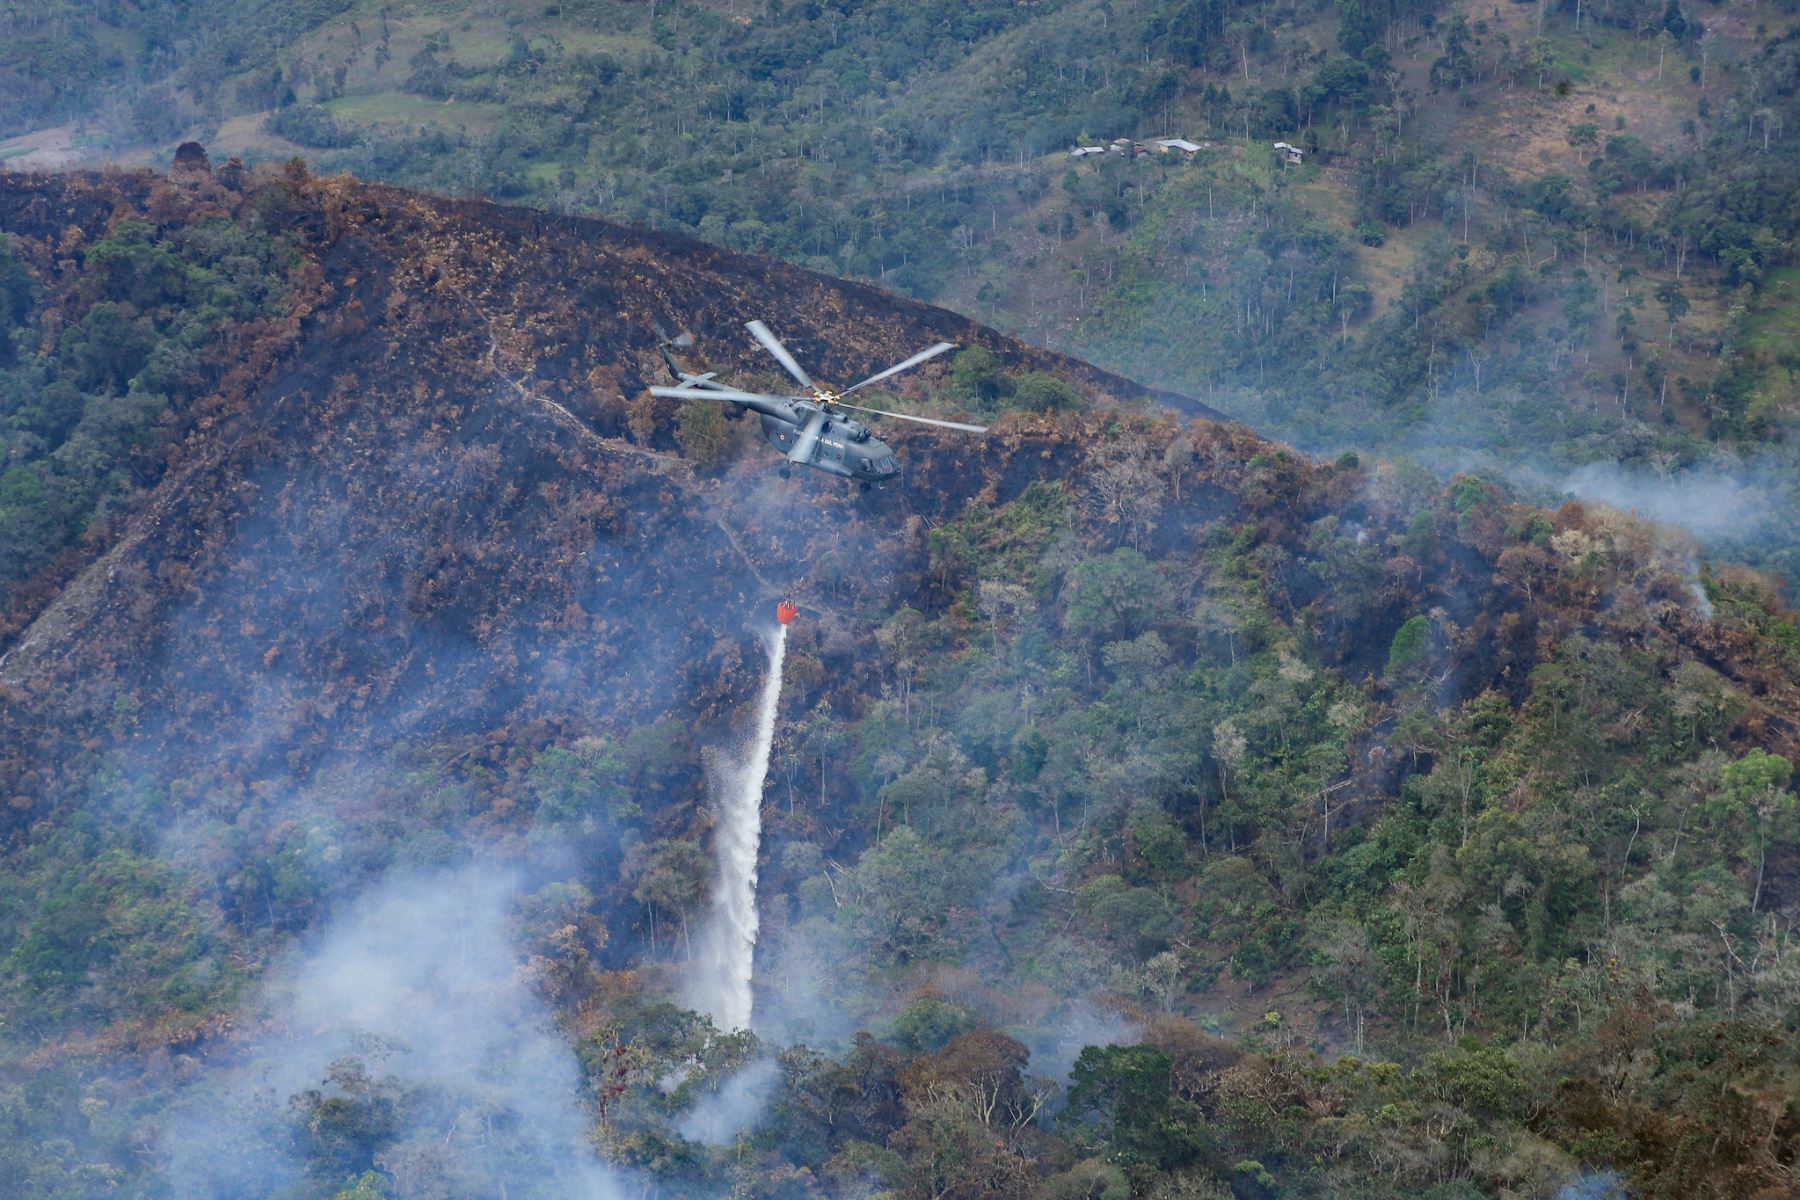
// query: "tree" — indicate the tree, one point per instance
point(984, 1071)
point(702, 432)
point(1754, 801)
point(669, 878)
point(1121, 1096)
point(976, 377)
point(17, 298)
point(1137, 921)
point(1345, 970)
point(371, 1185)
point(1113, 597)
point(130, 265)
point(106, 348)
point(951, 1155)
point(1125, 491)
point(1157, 841)
point(928, 1022)
point(1675, 304)
point(584, 781)
point(1041, 391)
point(345, 1122)
point(899, 899)
point(1089, 1179)
point(1230, 749)
point(1408, 647)
point(1482, 1080)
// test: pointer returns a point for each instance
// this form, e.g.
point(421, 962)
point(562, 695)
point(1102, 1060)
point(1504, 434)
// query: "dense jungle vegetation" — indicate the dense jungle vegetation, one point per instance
point(1155, 811)
point(1551, 240)
point(87, 405)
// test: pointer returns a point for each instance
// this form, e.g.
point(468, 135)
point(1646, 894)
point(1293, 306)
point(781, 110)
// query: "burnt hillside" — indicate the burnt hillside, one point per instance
point(429, 464)
point(394, 563)
point(416, 505)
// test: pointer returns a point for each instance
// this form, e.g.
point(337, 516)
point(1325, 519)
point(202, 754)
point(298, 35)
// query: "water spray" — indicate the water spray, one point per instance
point(721, 984)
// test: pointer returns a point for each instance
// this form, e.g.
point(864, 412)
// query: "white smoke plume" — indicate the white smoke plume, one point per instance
point(1598, 1185)
point(720, 986)
point(1058, 1040)
point(409, 1034)
point(1703, 501)
point(721, 1117)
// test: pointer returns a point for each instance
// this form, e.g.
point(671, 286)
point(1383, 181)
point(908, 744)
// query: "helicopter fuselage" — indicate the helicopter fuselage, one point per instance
point(845, 447)
point(810, 430)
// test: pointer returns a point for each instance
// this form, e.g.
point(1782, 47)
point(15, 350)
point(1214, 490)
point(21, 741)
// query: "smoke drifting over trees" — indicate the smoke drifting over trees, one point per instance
point(1150, 807)
point(407, 1034)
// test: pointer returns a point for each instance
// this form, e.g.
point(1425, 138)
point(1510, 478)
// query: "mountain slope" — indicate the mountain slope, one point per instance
point(1554, 241)
point(1116, 710)
point(493, 371)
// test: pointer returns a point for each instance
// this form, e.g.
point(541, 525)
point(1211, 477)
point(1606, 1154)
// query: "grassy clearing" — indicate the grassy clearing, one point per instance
point(480, 42)
point(1388, 268)
point(1772, 339)
point(488, 43)
point(245, 136)
point(583, 41)
point(1329, 197)
point(417, 112)
point(1774, 327)
point(1597, 76)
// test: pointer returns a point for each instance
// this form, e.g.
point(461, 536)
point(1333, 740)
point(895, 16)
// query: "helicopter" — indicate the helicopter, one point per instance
point(813, 430)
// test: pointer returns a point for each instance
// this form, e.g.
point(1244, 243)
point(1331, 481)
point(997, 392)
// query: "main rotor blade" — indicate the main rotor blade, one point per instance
point(898, 367)
point(773, 345)
point(808, 439)
point(882, 412)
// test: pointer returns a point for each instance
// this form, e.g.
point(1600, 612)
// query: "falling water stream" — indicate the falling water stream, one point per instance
point(720, 986)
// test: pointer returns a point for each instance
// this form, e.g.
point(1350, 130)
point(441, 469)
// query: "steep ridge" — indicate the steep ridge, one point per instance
point(462, 368)
point(1123, 701)
point(423, 512)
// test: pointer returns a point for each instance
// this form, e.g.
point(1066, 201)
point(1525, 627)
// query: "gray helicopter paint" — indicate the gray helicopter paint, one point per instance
point(801, 427)
point(854, 454)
